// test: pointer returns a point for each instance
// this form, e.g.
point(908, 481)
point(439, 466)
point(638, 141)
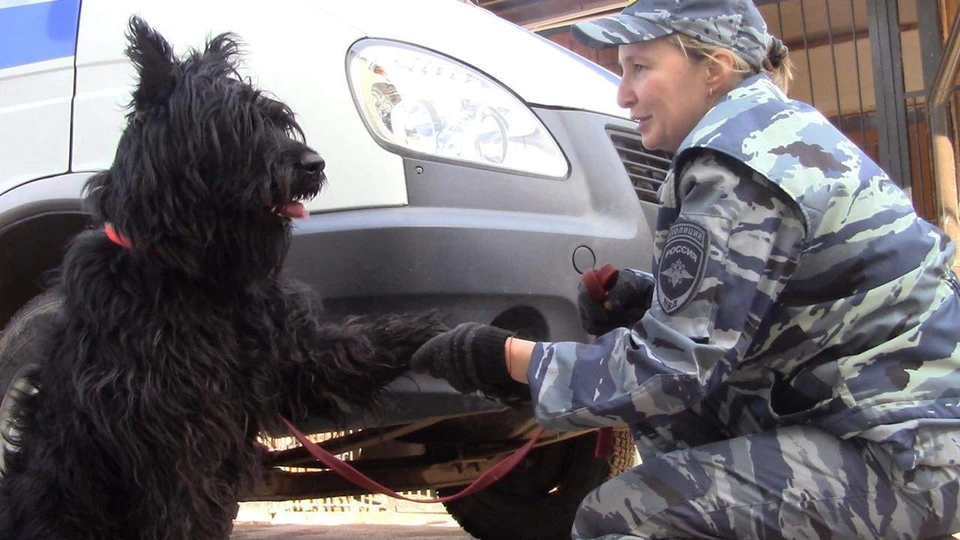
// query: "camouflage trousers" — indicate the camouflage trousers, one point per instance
point(795, 482)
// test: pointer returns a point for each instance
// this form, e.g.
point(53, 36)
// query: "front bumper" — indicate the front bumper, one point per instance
point(481, 245)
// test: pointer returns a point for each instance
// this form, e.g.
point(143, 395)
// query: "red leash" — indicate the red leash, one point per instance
point(342, 468)
point(599, 282)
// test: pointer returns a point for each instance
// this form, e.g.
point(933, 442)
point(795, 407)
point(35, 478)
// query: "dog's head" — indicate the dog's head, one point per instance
point(209, 170)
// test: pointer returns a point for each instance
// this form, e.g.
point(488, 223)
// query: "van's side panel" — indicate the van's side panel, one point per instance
point(38, 41)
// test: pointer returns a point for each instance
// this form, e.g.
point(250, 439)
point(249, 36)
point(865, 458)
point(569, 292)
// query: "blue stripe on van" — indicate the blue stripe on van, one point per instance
point(37, 32)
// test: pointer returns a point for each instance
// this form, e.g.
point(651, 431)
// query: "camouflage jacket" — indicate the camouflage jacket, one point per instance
point(795, 283)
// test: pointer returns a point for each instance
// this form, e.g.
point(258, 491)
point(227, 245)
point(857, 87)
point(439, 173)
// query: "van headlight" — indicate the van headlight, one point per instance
point(421, 102)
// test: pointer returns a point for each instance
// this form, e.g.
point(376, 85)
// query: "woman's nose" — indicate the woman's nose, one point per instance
point(625, 96)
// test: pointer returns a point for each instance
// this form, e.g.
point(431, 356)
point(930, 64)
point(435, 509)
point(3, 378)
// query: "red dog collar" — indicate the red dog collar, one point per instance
point(116, 237)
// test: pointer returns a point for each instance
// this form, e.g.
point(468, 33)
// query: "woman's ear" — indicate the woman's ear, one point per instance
point(720, 70)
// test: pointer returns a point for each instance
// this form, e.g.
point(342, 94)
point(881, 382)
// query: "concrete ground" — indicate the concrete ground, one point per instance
point(266, 521)
point(347, 531)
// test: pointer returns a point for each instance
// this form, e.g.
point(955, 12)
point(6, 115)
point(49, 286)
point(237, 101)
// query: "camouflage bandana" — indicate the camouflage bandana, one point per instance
point(734, 24)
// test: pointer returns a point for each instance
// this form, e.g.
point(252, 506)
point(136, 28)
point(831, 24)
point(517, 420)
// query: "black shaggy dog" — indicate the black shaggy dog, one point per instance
point(160, 361)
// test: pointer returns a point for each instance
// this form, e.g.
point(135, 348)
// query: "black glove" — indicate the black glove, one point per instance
point(471, 358)
point(627, 300)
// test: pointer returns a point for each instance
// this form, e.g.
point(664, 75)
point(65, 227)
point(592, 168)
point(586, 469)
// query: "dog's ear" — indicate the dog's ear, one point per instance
point(223, 51)
point(155, 62)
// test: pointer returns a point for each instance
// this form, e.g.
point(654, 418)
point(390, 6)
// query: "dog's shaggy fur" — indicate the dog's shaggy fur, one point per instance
point(162, 361)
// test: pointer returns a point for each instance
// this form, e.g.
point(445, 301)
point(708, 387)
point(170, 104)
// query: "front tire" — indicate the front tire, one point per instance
point(21, 355)
point(539, 499)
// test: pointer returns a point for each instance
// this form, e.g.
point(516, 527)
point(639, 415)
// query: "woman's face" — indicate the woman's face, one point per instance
point(666, 92)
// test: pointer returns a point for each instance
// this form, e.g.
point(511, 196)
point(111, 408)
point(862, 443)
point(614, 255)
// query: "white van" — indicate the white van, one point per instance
point(473, 166)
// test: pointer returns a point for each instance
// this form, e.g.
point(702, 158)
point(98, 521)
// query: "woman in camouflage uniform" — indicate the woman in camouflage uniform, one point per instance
point(797, 373)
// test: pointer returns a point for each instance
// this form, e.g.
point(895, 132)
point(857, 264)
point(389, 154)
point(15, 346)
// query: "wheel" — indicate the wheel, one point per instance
point(21, 354)
point(538, 500)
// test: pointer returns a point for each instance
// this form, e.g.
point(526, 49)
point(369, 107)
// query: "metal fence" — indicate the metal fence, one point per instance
point(860, 63)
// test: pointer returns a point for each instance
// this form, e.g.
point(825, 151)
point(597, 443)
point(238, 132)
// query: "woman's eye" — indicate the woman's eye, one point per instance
point(637, 68)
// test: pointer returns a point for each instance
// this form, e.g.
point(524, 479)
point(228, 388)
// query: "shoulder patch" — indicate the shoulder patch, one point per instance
point(682, 264)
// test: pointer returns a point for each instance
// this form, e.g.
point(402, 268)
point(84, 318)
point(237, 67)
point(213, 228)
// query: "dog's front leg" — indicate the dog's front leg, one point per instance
point(339, 365)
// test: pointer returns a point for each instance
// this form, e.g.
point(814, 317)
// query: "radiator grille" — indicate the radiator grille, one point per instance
point(647, 170)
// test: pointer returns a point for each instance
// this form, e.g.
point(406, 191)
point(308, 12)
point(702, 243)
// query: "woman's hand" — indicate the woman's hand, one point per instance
point(472, 357)
point(625, 304)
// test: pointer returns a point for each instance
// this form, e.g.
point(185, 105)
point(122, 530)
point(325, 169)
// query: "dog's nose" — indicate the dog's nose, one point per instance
point(311, 162)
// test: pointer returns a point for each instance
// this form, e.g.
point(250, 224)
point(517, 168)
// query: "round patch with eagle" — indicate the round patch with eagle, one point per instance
point(682, 263)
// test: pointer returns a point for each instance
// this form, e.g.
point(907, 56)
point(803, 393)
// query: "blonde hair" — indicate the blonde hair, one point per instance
point(776, 65)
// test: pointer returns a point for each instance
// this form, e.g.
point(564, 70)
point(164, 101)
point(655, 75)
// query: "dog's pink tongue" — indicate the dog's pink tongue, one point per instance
point(295, 210)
